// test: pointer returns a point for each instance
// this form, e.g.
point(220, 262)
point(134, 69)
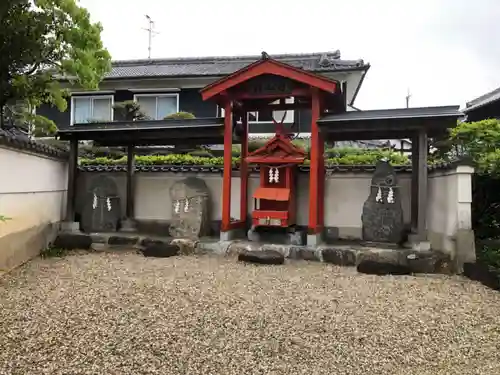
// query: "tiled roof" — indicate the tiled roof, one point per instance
point(220, 66)
point(219, 169)
point(15, 139)
point(483, 100)
point(397, 113)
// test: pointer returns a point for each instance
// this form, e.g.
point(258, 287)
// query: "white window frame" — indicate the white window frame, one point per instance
point(91, 97)
point(161, 95)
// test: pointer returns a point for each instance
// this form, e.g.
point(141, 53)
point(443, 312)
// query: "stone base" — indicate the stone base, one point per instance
point(128, 225)
point(232, 234)
point(70, 226)
point(261, 257)
point(73, 241)
point(160, 250)
point(486, 275)
point(314, 239)
point(418, 242)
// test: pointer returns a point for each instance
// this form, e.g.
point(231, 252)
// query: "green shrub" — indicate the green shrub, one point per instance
point(489, 255)
point(180, 116)
point(130, 110)
point(337, 157)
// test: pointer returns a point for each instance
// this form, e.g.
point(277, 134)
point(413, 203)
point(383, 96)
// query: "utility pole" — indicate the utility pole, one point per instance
point(408, 96)
point(151, 32)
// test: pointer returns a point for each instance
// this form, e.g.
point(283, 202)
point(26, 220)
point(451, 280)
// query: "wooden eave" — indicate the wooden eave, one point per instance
point(161, 132)
point(269, 153)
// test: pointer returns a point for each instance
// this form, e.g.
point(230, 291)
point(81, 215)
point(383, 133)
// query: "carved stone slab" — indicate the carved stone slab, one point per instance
point(102, 209)
point(190, 200)
point(382, 217)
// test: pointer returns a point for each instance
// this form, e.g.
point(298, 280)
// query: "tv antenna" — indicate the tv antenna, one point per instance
point(408, 96)
point(151, 33)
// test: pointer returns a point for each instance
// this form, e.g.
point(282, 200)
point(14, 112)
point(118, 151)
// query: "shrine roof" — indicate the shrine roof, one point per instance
point(158, 132)
point(389, 123)
point(263, 66)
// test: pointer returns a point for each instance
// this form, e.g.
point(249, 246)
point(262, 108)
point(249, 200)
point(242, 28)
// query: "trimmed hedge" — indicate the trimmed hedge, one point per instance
point(333, 156)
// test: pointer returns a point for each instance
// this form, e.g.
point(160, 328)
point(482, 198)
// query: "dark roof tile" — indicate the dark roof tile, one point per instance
point(22, 142)
point(220, 66)
point(219, 169)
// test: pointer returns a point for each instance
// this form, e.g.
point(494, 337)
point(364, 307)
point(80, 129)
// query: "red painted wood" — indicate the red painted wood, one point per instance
point(226, 178)
point(268, 66)
point(273, 194)
point(278, 149)
point(314, 177)
point(244, 170)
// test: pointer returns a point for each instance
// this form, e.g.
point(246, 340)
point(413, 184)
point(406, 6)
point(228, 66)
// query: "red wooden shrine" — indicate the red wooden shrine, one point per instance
point(275, 199)
point(256, 87)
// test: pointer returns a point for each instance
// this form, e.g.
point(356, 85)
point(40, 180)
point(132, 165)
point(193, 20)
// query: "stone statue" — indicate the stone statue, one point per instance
point(102, 209)
point(190, 199)
point(382, 217)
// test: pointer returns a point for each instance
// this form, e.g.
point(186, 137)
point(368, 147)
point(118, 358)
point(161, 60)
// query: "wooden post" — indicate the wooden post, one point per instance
point(314, 176)
point(226, 178)
point(72, 172)
point(414, 183)
point(244, 170)
point(422, 184)
point(130, 183)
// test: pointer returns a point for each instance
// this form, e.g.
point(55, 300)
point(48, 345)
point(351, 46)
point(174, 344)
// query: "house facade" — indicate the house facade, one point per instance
point(166, 86)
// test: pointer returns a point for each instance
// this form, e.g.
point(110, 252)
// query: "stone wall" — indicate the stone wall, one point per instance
point(32, 195)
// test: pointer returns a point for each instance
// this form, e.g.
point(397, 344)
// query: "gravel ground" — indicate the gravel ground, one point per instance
point(125, 314)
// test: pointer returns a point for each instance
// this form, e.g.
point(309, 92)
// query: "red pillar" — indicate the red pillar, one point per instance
point(244, 170)
point(314, 174)
point(226, 178)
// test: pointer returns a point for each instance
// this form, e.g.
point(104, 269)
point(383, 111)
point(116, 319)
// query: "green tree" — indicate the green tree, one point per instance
point(40, 41)
point(479, 141)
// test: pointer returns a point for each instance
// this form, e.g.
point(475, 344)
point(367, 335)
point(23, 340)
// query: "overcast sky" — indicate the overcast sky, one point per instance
point(444, 51)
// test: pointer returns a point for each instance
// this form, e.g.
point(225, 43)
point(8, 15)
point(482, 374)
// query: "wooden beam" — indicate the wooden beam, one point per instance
point(130, 209)
point(313, 227)
point(226, 178)
point(414, 183)
point(72, 174)
point(423, 148)
point(244, 170)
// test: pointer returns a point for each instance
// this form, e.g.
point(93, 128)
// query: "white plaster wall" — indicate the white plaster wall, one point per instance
point(32, 190)
point(449, 206)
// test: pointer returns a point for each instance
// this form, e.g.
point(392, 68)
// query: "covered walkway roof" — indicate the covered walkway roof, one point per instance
point(144, 133)
point(388, 123)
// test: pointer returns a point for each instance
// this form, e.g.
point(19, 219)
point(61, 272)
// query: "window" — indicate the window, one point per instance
point(158, 106)
point(86, 109)
point(267, 116)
